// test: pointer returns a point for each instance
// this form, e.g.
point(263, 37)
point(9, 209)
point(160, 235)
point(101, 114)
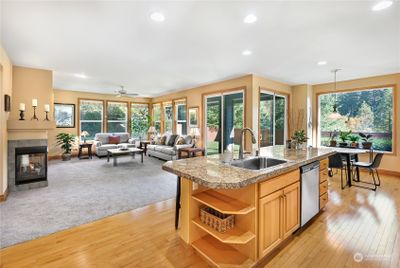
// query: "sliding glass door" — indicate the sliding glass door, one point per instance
point(273, 119)
point(224, 120)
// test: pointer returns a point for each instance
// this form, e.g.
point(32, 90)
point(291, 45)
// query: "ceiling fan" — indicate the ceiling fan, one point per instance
point(123, 93)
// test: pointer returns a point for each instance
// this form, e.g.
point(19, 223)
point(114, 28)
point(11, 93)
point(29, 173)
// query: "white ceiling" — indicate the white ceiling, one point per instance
point(116, 43)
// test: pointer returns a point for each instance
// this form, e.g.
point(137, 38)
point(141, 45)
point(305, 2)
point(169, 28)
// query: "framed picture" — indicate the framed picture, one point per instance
point(64, 115)
point(194, 117)
point(7, 103)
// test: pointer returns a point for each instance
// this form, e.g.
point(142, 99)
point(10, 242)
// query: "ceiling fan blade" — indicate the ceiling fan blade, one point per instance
point(132, 94)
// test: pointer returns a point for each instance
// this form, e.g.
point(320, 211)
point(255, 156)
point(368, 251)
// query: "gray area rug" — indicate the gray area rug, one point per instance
point(81, 191)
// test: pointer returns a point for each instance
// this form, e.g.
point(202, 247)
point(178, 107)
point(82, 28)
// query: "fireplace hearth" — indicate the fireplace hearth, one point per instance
point(30, 164)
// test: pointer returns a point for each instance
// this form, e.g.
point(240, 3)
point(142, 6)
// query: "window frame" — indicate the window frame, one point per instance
point(348, 90)
point(175, 104)
point(127, 115)
point(164, 106)
point(79, 115)
point(278, 93)
point(157, 104)
point(130, 115)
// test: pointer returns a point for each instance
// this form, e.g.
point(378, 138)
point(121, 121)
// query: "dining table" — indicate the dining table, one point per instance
point(348, 152)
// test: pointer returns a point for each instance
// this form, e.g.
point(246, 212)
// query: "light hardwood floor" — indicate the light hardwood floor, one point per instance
point(355, 221)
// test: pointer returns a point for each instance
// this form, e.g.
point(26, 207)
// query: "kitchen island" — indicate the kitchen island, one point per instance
point(265, 203)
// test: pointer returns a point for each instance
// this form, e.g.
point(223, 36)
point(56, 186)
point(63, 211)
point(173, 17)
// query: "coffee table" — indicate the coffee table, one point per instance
point(115, 153)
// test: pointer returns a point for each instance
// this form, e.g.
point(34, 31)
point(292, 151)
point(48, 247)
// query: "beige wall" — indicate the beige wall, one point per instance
point(5, 88)
point(301, 113)
point(390, 161)
point(28, 84)
point(67, 96)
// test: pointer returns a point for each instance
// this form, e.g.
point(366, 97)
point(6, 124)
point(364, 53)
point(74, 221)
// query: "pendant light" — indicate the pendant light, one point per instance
point(335, 114)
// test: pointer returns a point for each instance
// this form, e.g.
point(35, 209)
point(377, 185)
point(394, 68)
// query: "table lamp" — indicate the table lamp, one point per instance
point(194, 132)
point(151, 131)
point(84, 134)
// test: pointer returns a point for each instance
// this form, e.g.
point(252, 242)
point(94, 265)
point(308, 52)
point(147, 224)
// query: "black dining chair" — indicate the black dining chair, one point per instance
point(373, 171)
point(336, 161)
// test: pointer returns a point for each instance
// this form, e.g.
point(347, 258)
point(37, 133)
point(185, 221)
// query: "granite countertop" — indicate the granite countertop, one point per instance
point(215, 171)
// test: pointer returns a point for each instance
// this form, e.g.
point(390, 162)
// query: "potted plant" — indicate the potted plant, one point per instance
point(367, 142)
point(344, 137)
point(354, 140)
point(332, 139)
point(65, 140)
point(299, 137)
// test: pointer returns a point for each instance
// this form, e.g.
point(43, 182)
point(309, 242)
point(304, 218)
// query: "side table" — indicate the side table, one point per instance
point(143, 146)
point(88, 146)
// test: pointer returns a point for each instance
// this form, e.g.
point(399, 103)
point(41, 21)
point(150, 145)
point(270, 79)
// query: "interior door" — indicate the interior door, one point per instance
point(270, 222)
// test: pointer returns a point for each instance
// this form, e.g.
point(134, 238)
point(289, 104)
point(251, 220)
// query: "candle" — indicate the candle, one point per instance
point(47, 108)
point(34, 102)
point(22, 106)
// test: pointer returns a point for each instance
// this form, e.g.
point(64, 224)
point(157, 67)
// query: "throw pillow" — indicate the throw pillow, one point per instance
point(114, 139)
point(180, 141)
point(171, 141)
point(188, 139)
point(163, 139)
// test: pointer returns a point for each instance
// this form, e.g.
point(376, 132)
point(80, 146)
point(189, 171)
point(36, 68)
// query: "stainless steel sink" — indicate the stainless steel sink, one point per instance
point(257, 163)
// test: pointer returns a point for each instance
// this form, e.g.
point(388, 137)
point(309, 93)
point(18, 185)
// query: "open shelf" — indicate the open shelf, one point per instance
point(220, 254)
point(223, 203)
point(232, 236)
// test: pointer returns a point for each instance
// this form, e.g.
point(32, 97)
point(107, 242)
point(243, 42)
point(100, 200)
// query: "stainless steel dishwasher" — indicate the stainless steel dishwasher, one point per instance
point(309, 191)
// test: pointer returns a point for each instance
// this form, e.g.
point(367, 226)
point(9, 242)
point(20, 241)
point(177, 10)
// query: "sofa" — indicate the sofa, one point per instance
point(169, 149)
point(102, 142)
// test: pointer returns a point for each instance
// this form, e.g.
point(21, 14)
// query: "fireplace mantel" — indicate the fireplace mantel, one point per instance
point(30, 125)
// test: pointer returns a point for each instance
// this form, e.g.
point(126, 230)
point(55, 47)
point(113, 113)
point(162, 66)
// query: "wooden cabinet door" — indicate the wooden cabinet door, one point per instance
point(291, 196)
point(270, 222)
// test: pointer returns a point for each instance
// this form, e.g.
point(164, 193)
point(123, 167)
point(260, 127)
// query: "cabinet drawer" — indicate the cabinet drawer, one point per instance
point(323, 175)
point(279, 182)
point(323, 187)
point(323, 200)
point(323, 164)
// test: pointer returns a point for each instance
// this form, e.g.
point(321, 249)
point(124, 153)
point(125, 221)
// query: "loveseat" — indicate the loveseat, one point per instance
point(103, 142)
point(168, 150)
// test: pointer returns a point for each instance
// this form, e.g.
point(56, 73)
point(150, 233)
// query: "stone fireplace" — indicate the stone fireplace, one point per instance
point(27, 164)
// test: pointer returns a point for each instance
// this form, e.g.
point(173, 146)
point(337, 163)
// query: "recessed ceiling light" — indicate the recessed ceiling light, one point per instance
point(246, 52)
point(382, 5)
point(251, 18)
point(322, 62)
point(81, 75)
point(157, 16)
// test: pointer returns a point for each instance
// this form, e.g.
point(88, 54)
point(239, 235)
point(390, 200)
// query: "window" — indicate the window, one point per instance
point(157, 117)
point(117, 117)
point(181, 126)
point(91, 117)
point(367, 111)
point(139, 120)
point(273, 119)
point(168, 118)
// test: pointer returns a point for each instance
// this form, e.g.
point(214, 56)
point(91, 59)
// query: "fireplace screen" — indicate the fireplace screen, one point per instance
point(30, 164)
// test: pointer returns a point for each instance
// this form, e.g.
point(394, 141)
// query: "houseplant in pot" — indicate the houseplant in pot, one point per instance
point(354, 140)
point(332, 139)
point(367, 142)
point(66, 141)
point(344, 137)
point(299, 137)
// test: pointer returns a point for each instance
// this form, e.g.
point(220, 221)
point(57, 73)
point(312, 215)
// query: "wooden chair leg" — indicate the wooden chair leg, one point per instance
point(177, 202)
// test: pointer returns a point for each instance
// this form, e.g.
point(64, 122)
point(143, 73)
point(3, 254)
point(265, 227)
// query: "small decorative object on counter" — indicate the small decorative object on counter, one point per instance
point(332, 139)
point(217, 220)
point(344, 137)
point(299, 138)
point(289, 144)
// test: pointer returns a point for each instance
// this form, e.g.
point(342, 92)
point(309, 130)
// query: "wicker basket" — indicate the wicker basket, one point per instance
point(217, 220)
